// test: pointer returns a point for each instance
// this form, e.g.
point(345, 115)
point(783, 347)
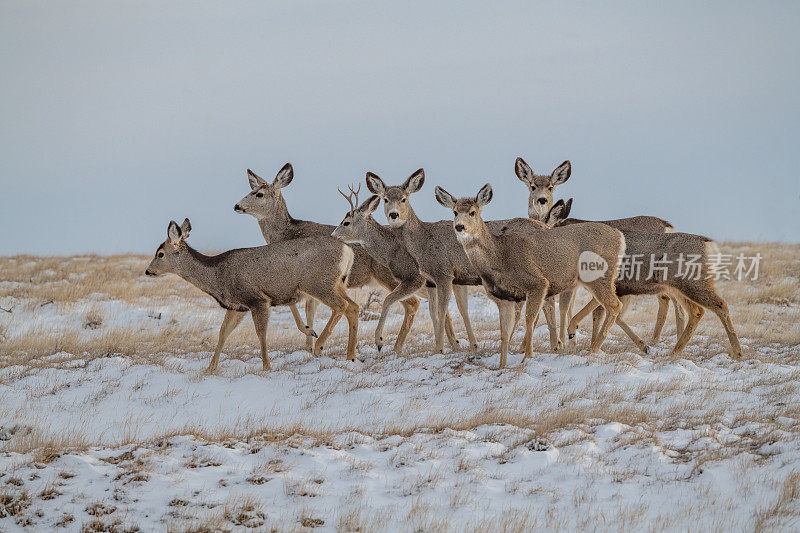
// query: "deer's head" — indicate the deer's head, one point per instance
point(541, 187)
point(357, 221)
point(169, 253)
point(265, 199)
point(467, 221)
point(396, 198)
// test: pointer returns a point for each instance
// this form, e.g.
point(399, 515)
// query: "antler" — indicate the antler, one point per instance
point(349, 197)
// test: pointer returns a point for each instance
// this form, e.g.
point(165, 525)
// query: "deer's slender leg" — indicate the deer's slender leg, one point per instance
point(351, 313)
point(443, 289)
point(597, 321)
point(311, 310)
point(332, 298)
point(506, 310)
point(583, 313)
point(229, 323)
point(661, 317)
point(549, 308)
point(304, 329)
point(695, 313)
point(411, 306)
point(450, 332)
point(565, 302)
point(403, 291)
point(680, 316)
point(517, 315)
point(604, 293)
point(633, 336)
point(534, 303)
point(461, 294)
point(432, 307)
point(260, 321)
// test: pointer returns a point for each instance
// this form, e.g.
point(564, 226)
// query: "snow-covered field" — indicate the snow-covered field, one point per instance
point(107, 422)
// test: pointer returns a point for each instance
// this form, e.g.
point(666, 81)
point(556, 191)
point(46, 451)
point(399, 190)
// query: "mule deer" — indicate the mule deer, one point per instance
point(256, 279)
point(540, 201)
point(266, 204)
point(532, 266)
point(433, 245)
point(386, 247)
point(677, 264)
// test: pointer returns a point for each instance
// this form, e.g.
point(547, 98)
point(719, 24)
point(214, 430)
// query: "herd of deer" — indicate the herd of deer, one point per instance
point(520, 261)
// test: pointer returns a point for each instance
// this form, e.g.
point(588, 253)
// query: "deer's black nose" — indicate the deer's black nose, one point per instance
point(542, 200)
point(393, 215)
point(148, 273)
point(237, 208)
point(459, 227)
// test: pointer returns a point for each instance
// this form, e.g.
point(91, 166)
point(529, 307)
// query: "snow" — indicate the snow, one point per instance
point(396, 442)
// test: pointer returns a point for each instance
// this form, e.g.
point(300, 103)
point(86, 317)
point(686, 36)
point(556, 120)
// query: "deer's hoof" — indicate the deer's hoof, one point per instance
point(380, 346)
point(313, 333)
point(571, 335)
point(646, 349)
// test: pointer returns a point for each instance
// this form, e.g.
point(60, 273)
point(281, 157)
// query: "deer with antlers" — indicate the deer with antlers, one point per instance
point(385, 246)
point(266, 204)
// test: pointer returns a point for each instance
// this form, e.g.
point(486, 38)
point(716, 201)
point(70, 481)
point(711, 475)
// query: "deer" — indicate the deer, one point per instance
point(533, 265)
point(256, 279)
point(680, 265)
point(540, 200)
point(433, 245)
point(266, 204)
point(385, 246)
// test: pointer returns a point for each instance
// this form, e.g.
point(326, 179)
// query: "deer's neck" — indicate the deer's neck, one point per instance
point(413, 223)
point(276, 225)
point(201, 271)
point(379, 241)
point(483, 249)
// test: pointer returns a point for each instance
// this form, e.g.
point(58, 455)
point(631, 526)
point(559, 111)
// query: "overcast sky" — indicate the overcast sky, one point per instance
point(119, 116)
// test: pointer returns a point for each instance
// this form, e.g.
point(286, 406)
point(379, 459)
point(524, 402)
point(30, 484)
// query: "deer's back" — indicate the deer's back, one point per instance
point(638, 224)
point(435, 247)
point(281, 271)
point(674, 259)
point(364, 269)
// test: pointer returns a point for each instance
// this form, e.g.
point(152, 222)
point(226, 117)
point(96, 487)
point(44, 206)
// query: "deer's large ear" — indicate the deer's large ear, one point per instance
point(444, 197)
point(561, 173)
point(186, 227)
point(256, 182)
point(567, 208)
point(523, 171)
point(414, 182)
point(284, 176)
point(484, 195)
point(376, 185)
point(369, 205)
point(557, 213)
point(173, 232)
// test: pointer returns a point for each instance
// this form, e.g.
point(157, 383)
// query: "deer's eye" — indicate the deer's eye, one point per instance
point(160, 254)
point(259, 195)
point(403, 200)
point(455, 213)
point(346, 224)
point(472, 213)
point(550, 188)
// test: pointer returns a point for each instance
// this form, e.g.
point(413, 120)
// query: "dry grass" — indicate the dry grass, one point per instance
point(765, 311)
point(63, 313)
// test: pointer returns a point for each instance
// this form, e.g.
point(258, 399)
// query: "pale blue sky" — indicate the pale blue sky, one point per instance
point(118, 116)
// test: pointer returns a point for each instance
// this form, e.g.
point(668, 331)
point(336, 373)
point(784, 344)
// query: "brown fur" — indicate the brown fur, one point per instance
point(256, 279)
point(278, 225)
point(533, 265)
